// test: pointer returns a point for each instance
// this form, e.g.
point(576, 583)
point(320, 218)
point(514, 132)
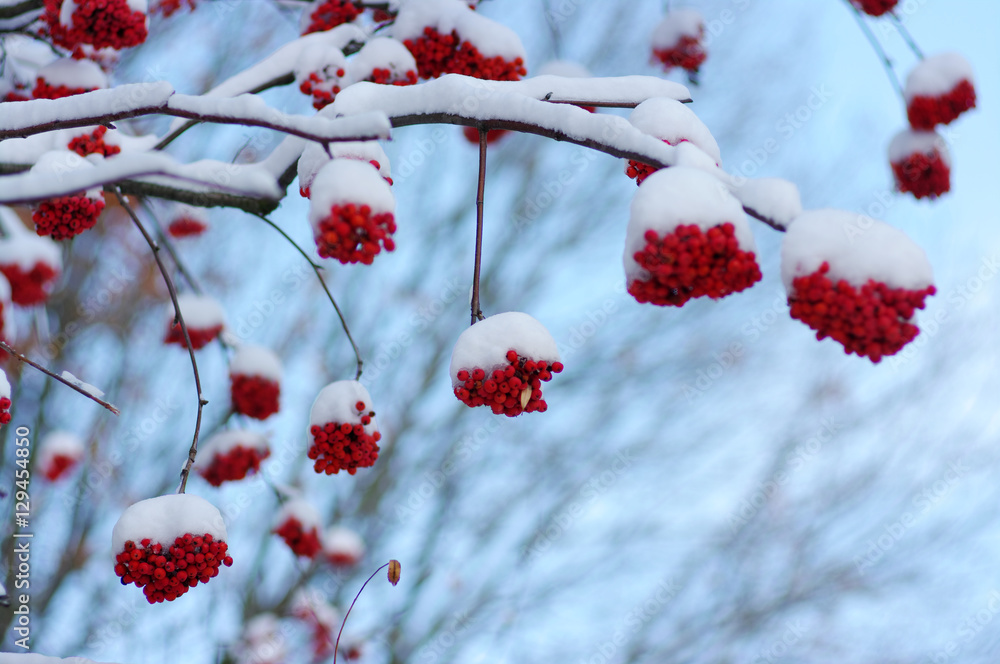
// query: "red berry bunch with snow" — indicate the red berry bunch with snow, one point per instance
point(938, 90)
point(255, 382)
point(314, 157)
point(502, 361)
point(170, 544)
point(60, 452)
point(328, 14)
point(30, 263)
point(673, 123)
point(67, 77)
point(920, 163)
point(875, 7)
point(187, 221)
point(322, 619)
point(856, 280)
point(351, 212)
point(113, 24)
point(343, 547)
point(7, 329)
point(384, 61)
point(5, 402)
point(343, 429)
point(446, 37)
point(322, 72)
point(687, 237)
point(94, 143)
point(203, 317)
point(168, 8)
point(67, 216)
point(298, 523)
point(677, 40)
point(232, 455)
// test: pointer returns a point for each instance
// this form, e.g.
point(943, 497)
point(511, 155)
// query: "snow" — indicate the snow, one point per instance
point(344, 181)
point(23, 248)
point(303, 512)
point(681, 196)
point(322, 60)
point(447, 16)
point(182, 211)
point(54, 164)
point(86, 387)
point(165, 518)
point(937, 75)
point(74, 74)
point(336, 401)
point(224, 441)
point(382, 53)
point(909, 142)
point(671, 121)
point(773, 198)
point(62, 443)
point(250, 360)
point(314, 157)
point(338, 540)
point(3, 591)
point(858, 248)
point(564, 68)
point(199, 311)
point(4, 384)
point(678, 23)
point(485, 344)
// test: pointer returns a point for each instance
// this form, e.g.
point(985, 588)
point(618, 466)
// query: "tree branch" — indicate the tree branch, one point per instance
point(50, 374)
point(477, 313)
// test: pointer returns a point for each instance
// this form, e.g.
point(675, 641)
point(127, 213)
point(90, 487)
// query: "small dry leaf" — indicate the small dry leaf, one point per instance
point(525, 396)
point(394, 570)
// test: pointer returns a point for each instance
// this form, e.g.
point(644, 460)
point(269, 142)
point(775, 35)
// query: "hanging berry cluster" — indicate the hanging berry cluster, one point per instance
point(203, 318)
point(66, 216)
point(93, 143)
point(875, 7)
point(342, 428)
point(32, 286)
point(677, 40)
point(512, 390)
point(234, 464)
point(331, 13)
point(301, 540)
point(166, 572)
point(254, 382)
point(438, 54)
point(113, 24)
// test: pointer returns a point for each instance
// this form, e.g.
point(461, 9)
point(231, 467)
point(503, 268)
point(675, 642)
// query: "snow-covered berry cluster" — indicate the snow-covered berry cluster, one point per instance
point(64, 217)
point(875, 7)
point(60, 452)
point(859, 284)
point(30, 264)
point(31, 285)
point(328, 14)
point(66, 77)
point(314, 157)
point(203, 318)
point(384, 61)
point(673, 123)
point(322, 89)
point(351, 211)
point(187, 221)
point(5, 402)
point(298, 524)
point(94, 143)
point(168, 545)
point(342, 547)
point(168, 8)
point(232, 455)
point(438, 54)
point(502, 361)
point(677, 40)
point(920, 163)
point(342, 428)
point(926, 111)
point(255, 382)
point(113, 24)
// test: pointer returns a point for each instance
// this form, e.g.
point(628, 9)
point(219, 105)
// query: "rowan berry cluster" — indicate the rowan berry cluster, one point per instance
point(166, 572)
point(873, 321)
point(688, 263)
point(343, 446)
point(32, 286)
point(437, 54)
point(66, 216)
point(235, 464)
point(200, 337)
point(302, 541)
point(330, 14)
point(100, 23)
point(352, 234)
point(688, 54)
point(93, 143)
point(510, 390)
point(925, 111)
point(5, 405)
point(923, 175)
point(58, 465)
point(254, 396)
point(45, 90)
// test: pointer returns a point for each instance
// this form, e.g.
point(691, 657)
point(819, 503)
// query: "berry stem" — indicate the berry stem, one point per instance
point(477, 313)
point(336, 646)
point(316, 268)
point(883, 56)
point(907, 37)
point(178, 319)
point(50, 374)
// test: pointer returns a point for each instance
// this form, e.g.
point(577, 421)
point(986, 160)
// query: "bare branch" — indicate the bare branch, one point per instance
point(50, 374)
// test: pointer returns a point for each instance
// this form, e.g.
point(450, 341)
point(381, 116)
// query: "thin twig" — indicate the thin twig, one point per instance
point(336, 646)
point(162, 238)
point(178, 319)
point(907, 37)
point(316, 268)
point(477, 313)
point(873, 40)
point(50, 374)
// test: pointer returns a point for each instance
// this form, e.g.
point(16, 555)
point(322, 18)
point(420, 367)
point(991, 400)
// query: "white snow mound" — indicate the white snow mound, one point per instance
point(343, 181)
point(937, 75)
point(251, 360)
point(56, 163)
point(676, 24)
point(223, 442)
point(72, 73)
point(485, 344)
point(671, 121)
point(314, 157)
point(340, 541)
point(301, 511)
point(382, 53)
point(60, 443)
point(909, 142)
point(199, 311)
point(336, 403)
point(165, 518)
point(489, 37)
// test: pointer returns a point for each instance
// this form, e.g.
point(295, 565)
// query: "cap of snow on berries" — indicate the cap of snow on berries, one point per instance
point(187, 221)
point(322, 72)
point(343, 546)
point(385, 61)
point(938, 90)
point(167, 545)
point(501, 362)
point(351, 212)
point(687, 237)
point(203, 317)
point(855, 279)
point(298, 523)
point(5, 402)
point(66, 77)
point(231, 455)
point(343, 430)
point(30, 263)
point(673, 123)
point(322, 15)
point(8, 331)
point(921, 163)
point(59, 452)
point(314, 157)
point(66, 216)
point(676, 39)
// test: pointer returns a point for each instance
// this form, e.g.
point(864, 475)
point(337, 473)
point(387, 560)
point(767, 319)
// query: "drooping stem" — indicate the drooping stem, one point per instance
point(179, 320)
point(477, 313)
point(873, 40)
point(64, 381)
point(316, 268)
point(907, 37)
point(336, 646)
